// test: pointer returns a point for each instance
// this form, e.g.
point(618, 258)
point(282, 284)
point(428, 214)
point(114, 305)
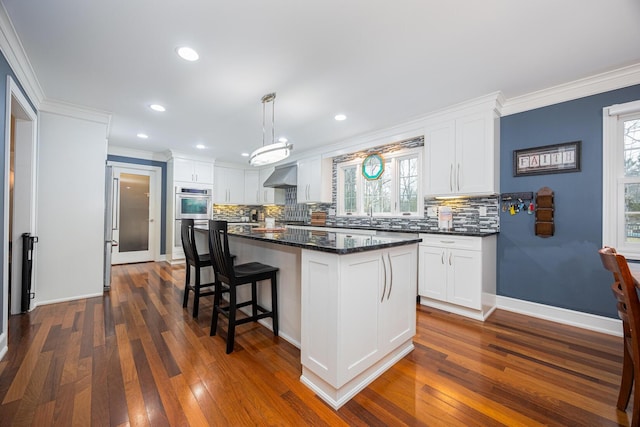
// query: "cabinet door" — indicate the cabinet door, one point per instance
point(203, 172)
point(314, 180)
point(252, 193)
point(464, 278)
point(474, 155)
point(398, 307)
point(235, 186)
point(267, 195)
point(304, 180)
point(228, 186)
point(183, 170)
point(361, 286)
point(433, 272)
point(440, 164)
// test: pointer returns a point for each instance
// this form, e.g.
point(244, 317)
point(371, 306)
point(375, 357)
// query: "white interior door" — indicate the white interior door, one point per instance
point(134, 215)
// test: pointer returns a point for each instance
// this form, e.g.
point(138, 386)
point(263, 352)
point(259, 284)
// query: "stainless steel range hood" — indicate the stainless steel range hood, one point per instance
point(283, 176)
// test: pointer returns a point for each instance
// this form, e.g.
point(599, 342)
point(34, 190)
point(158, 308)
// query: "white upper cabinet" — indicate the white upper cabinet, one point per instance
point(252, 187)
point(462, 154)
point(269, 196)
point(194, 171)
point(314, 180)
point(228, 186)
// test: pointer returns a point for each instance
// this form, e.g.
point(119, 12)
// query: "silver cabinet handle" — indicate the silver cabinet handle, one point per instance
point(447, 241)
point(384, 290)
point(442, 258)
point(450, 258)
point(451, 178)
point(116, 203)
point(390, 275)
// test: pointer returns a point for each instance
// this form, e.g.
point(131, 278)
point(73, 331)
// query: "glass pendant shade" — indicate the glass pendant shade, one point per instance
point(276, 151)
point(270, 153)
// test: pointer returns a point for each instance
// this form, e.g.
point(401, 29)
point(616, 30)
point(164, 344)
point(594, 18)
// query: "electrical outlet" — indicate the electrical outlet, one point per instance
point(432, 212)
point(482, 210)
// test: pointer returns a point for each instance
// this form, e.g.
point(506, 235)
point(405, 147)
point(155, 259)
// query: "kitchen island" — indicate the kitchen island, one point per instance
point(347, 300)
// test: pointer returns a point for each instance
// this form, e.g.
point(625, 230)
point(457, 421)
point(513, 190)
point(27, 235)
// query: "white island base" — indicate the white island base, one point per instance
point(358, 317)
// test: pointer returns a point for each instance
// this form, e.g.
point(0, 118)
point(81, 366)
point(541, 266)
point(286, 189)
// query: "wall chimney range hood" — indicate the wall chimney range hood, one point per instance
point(283, 177)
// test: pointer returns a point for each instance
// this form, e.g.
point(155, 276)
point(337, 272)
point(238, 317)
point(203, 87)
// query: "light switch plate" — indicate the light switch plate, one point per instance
point(482, 210)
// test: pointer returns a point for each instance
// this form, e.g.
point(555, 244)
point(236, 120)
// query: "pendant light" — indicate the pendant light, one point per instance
point(275, 151)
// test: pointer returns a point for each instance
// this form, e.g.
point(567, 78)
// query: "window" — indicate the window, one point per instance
point(621, 178)
point(395, 193)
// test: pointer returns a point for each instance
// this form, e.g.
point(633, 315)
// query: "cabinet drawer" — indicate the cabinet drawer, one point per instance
point(449, 241)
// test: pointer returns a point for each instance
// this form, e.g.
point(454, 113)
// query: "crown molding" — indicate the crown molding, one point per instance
point(14, 53)
point(76, 111)
point(599, 83)
point(114, 150)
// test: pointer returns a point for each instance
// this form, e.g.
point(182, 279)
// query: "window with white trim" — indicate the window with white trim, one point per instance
point(395, 193)
point(621, 178)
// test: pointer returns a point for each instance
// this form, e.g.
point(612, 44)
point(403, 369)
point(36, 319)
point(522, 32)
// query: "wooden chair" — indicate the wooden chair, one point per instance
point(197, 261)
point(625, 291)
point(231, 277)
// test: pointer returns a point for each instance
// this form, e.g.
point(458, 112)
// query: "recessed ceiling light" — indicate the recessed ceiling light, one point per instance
point(283, 139)
point(142, 136)
point(187, 53)
point(340, 117)
point(245, 154)
point(200, 146)
point(157, 107)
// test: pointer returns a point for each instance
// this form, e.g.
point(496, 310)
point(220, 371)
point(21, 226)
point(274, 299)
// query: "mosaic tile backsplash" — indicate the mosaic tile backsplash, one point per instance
point(466, 211)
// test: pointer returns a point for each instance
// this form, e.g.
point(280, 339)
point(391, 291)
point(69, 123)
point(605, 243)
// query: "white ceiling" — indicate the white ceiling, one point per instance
point(379, 62)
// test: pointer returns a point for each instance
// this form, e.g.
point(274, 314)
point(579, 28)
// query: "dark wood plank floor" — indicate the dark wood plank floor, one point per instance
point(135, 357)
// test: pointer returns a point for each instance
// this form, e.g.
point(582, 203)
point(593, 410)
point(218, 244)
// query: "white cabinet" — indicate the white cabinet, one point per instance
point(458, 274)
point(314, 180)
point(252, 187)
point(462, 156)
point(228, 186)
point(358, 317)
point(194, 171)
point(269, 196)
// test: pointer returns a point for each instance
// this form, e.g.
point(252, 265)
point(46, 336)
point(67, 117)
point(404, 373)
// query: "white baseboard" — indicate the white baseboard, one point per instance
point(55, 301)
point(588, 321)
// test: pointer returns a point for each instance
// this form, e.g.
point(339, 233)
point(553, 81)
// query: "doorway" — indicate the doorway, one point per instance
point(20, 197)
point(135, 212)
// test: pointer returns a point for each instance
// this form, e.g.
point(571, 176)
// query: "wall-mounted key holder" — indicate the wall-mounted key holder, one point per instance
point(517, 202)
point(545, 226)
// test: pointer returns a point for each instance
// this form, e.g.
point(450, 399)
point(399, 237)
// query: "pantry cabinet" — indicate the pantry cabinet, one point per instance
point(458, 273)
point(192, 171)
point(462, 155)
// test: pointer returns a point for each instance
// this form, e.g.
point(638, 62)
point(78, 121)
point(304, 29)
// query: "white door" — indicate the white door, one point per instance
point(134, 220)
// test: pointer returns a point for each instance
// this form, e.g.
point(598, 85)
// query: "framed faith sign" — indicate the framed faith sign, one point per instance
point(558, 158)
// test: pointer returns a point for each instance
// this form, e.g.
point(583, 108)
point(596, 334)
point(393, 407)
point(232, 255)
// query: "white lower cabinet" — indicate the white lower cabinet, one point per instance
point(358, 317)
point(458, 274)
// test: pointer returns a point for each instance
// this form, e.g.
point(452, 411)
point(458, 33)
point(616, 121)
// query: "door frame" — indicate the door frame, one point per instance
point(155, 209)
point(26, 147)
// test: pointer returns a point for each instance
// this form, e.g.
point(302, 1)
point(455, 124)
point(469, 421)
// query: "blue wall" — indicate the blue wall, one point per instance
point(563, 270)
point(163, 198)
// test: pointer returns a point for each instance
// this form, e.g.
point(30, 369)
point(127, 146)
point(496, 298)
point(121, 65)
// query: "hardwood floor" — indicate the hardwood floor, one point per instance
point(136, 357)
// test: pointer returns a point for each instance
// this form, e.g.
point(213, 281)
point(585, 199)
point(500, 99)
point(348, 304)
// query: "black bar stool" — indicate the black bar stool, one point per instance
point(230, 277)
point(197, 261)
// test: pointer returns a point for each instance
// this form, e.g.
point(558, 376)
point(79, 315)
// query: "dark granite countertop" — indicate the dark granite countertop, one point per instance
point(414, 231)
point(325, 241)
